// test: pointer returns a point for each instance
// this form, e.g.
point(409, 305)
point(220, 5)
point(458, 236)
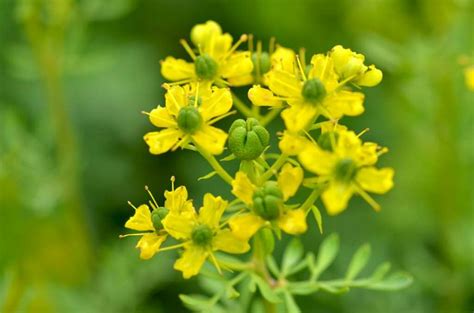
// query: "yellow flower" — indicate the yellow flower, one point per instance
point(187, 118)
point(150, 222)
point(266, 204)
point(201, 235)
point(350, 67)
point(346, 164)
point(469, 77)
point(319, 92)
point(217, 62)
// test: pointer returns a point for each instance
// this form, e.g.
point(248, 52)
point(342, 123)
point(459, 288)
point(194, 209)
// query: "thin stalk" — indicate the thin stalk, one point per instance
point(264, 121)
point(274, 168)
point(242, 107)
point(215, 165)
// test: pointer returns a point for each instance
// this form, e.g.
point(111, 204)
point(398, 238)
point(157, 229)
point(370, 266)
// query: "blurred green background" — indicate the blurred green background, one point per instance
point(74, 76)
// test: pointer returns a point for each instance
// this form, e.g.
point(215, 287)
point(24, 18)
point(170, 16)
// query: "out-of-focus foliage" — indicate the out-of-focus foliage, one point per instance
point(74, 76)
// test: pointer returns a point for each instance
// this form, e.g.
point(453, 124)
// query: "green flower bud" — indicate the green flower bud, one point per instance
point(263, 61)
point(202, 235)
point(157, 216)
point(313, 90)
point(268, 201)
point(247, 139)
point(345, 170)
point(205, 66)
point(325, 140)
point(189, 119)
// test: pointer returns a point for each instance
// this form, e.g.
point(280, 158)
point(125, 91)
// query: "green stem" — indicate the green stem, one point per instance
point(258, 257)
point(314, 195)
point(274, 168)
point(215, 165)
point(264, 121)
point(242, 107)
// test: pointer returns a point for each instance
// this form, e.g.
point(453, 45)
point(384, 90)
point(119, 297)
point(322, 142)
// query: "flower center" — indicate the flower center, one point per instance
point(268, 200)
point(313, 90)
point(202, 235)
point(345, 170)
point(157, 217)
point(205, 66)
point(189, 119)
point(327, 139)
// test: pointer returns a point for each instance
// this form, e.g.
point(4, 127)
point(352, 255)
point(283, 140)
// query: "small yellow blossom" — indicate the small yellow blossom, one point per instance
point(266, 204)
point(346, 164)
point(469, 77)
point(217, 62)
point(187, 118)
point(201, 235)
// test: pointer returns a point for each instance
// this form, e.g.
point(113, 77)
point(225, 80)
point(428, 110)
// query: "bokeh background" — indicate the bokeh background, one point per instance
point(75, 75)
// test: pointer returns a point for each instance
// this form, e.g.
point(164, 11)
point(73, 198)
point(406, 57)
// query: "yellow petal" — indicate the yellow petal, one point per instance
point(330, 126)
point(191, 260)
point(149, 245)
point(289, 180)
point(367, 154)
point(293, 222)
point(469, 77)
point(317, 160)
point(176, 98)
point(212, 210)
point(141, 220)
point(323, 69)
point(237, 64)
point(226, 241)
point(162, 141)
point(291, 143)
point(217, 103)
point(336, 197)
point(263, 97)
point(344, 103)
point(241, 80)
point(160, 117)
point(201, 33)
point(298, 116)
point(177, 201)
point(218, 46)
point(284, 84)
point(243, 188)
point(283, 59)
point(348, 145)
point(177, 69)
point(244, 226)
point(375, 180)
point(347, 63)
point(179, 226)
point(210, 139)
point(373, 76)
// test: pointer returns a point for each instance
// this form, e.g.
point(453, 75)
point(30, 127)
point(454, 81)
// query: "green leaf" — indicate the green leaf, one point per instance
point(292, 255)
point(333, 289)
point(358, 262)
point(318, 218)
point(303, 287)
point(207, 176)
point(291, 306)
point(380, 271)
point(267, 292)
point(272, 265)
point(394, 281)
point(326, 255)
point(230, 157)
point(197, 302)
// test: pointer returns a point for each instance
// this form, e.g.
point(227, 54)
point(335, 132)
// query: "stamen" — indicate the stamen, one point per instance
point(242, 39)
point(188, 49)
point(302, 54)
point(271, 45)
point(173, 179)
point(300, 68)
point(309, 136)
point(151, 196)
point(363, 132)
point(216, 263)
point(368, 198)
point(344, 81)
point(212, 121)
point(196, 98)
point(131, 204)
point(178, 82)
point(259, 55)
point(146, 113)
point(251, 43)
point(383, 150)
point(172, 247)
point(134, 234)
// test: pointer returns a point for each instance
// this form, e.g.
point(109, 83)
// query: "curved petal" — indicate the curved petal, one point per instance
point(289, 180)
point(149, 245)
point(323, 69)
point(210, 139)
point(160, 117)
point(191, 260)
point(218, 102)
point(241, 80)
point(284, 59)
point(176, 98)
point(218, 46)
point(336, 197)
point(177, 201)
point(201, 33)
point(344, 103)
point(226, 241)
point(284, 84)
point(317, 160)
point(141, 220)
point(179, 226)
point(244, 226)
point(243, 188)
point(212, 210)
point(293, 222)
point(375, 180)
point(292, 144)
point(373, 76)
point(298, 116)
point(177, 69)
point(162, 141)
point(237, 64)
point(263, 97)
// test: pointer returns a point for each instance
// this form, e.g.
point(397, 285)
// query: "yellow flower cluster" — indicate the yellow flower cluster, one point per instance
point(317, 153)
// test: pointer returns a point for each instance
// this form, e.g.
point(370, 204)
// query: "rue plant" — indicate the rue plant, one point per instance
point(318, 157)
